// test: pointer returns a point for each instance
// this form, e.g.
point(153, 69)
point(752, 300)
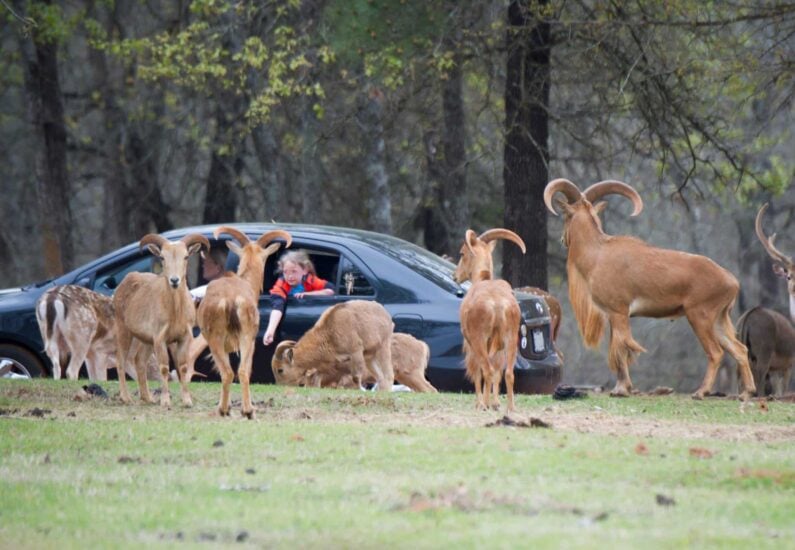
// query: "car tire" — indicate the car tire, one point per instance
point(25, 363)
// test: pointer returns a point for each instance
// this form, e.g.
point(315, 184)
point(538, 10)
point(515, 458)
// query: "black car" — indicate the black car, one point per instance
point(415, 286)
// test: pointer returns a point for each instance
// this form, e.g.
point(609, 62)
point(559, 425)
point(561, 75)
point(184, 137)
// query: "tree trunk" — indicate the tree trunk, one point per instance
point(226, 164)
point(380, 204)
point(526, 156)
point(446, 208)
point(46, 114)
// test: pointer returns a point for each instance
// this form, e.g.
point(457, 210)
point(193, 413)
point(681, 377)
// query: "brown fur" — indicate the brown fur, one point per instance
point(77, 327)
point(351, 338)
point(151, 310)
point(770, 339)
point(490, 318)
point(409, 360)
point(616, 277)
point(228, 315)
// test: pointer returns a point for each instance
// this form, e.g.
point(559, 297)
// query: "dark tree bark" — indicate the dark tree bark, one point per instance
point(226, 163)
point(526, 156)
point(371, 120)
point(46, 114)
point(446, 208)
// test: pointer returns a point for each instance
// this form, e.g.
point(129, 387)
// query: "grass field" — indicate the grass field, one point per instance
point(331, 468)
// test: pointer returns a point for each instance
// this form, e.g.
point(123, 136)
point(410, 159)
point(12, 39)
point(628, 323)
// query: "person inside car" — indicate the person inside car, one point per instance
point(297, 279)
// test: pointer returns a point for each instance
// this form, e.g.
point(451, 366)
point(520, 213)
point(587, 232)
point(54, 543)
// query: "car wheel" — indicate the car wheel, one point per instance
point(17, 362)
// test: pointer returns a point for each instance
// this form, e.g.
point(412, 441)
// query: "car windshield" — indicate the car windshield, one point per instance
point(425, 263)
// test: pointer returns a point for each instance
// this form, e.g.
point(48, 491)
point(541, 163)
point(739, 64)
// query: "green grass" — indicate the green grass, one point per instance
point(326, 468)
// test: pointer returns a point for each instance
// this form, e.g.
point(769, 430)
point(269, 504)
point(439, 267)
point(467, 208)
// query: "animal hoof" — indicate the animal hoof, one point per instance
point(619, 393)
point(187, 403)
point(249, 414)
point(698, 396)
point(222, 412)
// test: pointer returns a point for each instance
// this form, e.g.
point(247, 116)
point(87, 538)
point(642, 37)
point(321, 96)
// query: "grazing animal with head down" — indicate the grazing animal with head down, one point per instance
point(350, 339)
point(613, 278)
point(157, 310)
point(228, 315)
point(409, 360)
point(490, 318)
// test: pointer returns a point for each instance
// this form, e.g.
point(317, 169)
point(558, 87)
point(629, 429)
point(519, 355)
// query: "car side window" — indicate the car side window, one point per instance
point(107, 280)
point(352, 281)
point(326, 264)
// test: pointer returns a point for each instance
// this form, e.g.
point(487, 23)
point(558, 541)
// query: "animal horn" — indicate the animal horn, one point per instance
point(153, 238)
point(506, 234)
point(238, 235)
point(266, 238)
point(561, 185)
point(768, 242)
point(282, 347)
point(193, 238)
point(608, 187)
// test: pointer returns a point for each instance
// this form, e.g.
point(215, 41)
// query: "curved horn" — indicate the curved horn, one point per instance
point(153, 238)
point(266, 238)
point(282, 347)
point(239, 236)
point(561, 185)
point(192, 238)
point(506, 234)
point(767, 242)
point(470, 236)
point(608, 187)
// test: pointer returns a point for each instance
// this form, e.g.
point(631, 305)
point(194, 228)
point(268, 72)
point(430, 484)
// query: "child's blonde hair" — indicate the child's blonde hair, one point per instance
point(298, 257)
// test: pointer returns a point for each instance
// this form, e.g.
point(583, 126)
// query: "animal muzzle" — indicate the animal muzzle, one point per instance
point(174, 282)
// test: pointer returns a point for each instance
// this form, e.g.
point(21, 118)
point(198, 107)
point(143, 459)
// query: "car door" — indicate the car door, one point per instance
point(348, 275)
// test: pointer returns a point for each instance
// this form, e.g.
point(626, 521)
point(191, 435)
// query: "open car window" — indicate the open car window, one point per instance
point(352, 282)
point(326, 264)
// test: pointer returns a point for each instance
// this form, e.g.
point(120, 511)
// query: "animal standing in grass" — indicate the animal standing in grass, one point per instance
point(768, 335)
point(613, 278)
point(229, 314)
point(158, 310)
point(490, 318)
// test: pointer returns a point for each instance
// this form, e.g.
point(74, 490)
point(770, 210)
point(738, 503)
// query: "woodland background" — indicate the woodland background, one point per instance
point(412, 117)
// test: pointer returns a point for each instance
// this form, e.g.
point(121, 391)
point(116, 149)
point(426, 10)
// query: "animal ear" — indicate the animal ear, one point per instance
point(564, 206)
point(194, 248)
point(231, 245)
point(288, 355)
point(780, 270)
point(600, 207)
point(154, 250)
point(471, 238)
point(272, 248)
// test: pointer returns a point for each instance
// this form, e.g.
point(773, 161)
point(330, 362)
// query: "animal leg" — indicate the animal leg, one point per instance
point(181, 356)
point(96, 366)
point(728, 340)
point(509, 375)
point(79, 350)
point(123, 342)
point(244, 374)
point(381, 367)
point(623, 349)
point(476, 360)
point(161, 352)
point(703, 323)
point(221, 360)
point(141, 353)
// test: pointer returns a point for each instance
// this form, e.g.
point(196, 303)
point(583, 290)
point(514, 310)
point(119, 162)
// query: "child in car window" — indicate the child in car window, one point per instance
point(298, 279)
